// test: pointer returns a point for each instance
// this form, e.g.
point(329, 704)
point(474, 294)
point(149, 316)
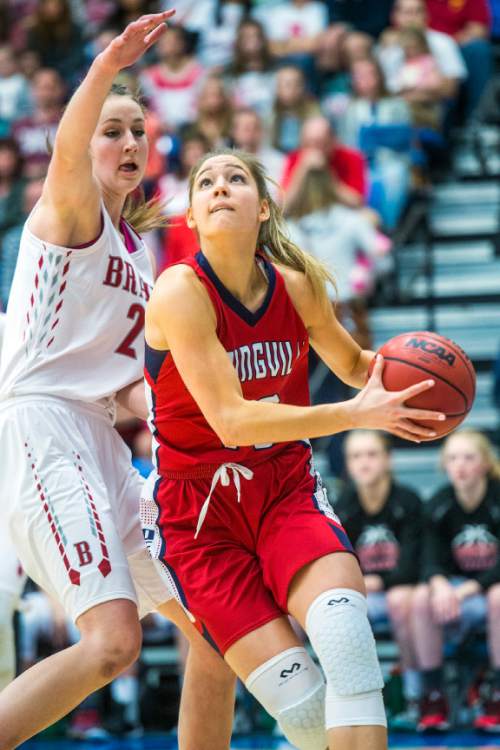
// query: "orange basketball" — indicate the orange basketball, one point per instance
point(412, 357)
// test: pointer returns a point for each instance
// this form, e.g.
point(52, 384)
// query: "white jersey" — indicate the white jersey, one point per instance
point(75, 318)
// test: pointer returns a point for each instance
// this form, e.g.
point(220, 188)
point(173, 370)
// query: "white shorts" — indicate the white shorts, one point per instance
point(12, 576)
point(71, 499)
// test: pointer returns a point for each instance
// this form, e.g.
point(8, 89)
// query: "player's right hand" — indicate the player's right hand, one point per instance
point(376, 408)
point(132, 43)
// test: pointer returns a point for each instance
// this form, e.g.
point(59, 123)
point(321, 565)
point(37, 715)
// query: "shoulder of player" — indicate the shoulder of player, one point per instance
point(298, 286)
point(178, 289)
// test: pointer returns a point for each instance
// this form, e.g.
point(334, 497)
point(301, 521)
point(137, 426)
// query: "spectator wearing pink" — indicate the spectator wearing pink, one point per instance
point(468, 22)
point(35, 132)
point(412, 14)
point(420, 81)
point(172, 85)
point(250, 75)
point(319, 147)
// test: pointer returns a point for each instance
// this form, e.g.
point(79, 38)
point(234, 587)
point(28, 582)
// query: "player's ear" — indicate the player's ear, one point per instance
point(265, 211)
point(189, 219)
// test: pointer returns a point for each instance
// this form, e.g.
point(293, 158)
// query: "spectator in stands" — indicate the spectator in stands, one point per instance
point(9, 241)
point(36, 132)
point(384, 522)
point(461, 570)
point(412, 14)
point(251, 75)
point(420, 81)
point(57, 39)
point(379, 125)
point(335, 234)
point(179, 241)
point(11, 185)
point(319, 147)
point(15, 99)
point(215, 112)
point(468, 23)
point(292, 107)
point(172, 84)
point(366, 16)
point(248, 135)
point(294, 28)
point(217, 35)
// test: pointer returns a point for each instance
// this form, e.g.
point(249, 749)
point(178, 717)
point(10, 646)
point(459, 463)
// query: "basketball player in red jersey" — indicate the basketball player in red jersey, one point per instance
point(235, 510)
point(73, 340)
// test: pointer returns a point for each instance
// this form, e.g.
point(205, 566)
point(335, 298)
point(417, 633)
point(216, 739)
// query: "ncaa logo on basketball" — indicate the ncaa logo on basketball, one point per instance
point(429, 347)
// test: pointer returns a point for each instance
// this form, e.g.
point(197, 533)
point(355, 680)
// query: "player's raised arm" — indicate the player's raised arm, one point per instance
point(70, 180)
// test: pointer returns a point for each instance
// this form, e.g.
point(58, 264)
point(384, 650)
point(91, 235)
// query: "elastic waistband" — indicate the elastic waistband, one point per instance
point(206, 471)
point(83, 407)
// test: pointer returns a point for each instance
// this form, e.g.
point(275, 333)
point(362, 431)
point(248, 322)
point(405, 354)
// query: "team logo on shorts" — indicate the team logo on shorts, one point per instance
point(84, 553)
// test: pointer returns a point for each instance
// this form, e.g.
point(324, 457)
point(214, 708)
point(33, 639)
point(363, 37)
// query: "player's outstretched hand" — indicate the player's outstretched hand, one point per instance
point(133, 42)
point(376, 408)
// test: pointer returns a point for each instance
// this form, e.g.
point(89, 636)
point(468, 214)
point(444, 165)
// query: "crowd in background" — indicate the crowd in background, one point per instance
point(349, 104)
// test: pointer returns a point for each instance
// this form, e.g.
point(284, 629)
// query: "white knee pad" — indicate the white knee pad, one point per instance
point(7, 650)
point(339, 631)
point(291, 688)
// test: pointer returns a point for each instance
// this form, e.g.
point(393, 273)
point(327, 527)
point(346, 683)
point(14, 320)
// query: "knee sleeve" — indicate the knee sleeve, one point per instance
point(7, 652)
point(339, 631)
point(291, 688)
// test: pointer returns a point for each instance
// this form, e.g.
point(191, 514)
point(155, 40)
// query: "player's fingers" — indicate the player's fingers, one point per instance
point(417, 429)
point(378, 369)
point(399, 432)
point(435, 416)
point(414, 390)
point(154, 35)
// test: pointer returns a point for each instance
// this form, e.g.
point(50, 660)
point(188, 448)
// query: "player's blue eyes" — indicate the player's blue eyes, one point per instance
point(206, 181)
point(116, 133)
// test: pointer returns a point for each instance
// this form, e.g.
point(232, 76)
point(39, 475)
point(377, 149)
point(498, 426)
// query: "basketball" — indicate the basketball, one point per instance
point(412, 357)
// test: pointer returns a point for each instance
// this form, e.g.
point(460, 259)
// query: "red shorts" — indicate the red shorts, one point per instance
point(235, 576)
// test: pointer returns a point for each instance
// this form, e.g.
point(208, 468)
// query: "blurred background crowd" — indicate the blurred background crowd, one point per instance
point(378, 125)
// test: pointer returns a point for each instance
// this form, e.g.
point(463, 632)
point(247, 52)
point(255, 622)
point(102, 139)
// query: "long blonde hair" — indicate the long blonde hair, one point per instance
point(272, 235)
point(316, 192)
point(482, 444)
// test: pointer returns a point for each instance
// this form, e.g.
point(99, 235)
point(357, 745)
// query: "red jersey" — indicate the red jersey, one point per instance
point(346, 164)
point(451, 16)
point(269, 350)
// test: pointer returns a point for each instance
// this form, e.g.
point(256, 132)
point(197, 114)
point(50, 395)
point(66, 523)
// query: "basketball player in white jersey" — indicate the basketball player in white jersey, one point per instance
point(74, 339)
point(12, 581)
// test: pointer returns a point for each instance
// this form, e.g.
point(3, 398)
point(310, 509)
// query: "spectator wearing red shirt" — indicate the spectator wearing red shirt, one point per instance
point(468, 22)
point(319, 147)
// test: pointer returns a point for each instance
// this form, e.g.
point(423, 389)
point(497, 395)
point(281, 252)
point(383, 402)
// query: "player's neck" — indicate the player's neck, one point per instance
point(237, 270)
point(114, 206)
point(374, 496)
point(471, 498)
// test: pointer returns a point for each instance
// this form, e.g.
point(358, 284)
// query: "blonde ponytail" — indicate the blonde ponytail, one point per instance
point(273, 235)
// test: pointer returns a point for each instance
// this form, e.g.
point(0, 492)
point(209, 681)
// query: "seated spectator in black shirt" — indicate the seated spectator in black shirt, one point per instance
point(383, 521)
point(363, 15)
point(461, 567)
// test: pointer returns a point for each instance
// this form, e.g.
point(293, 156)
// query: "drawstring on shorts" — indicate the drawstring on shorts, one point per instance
point(222, 476)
